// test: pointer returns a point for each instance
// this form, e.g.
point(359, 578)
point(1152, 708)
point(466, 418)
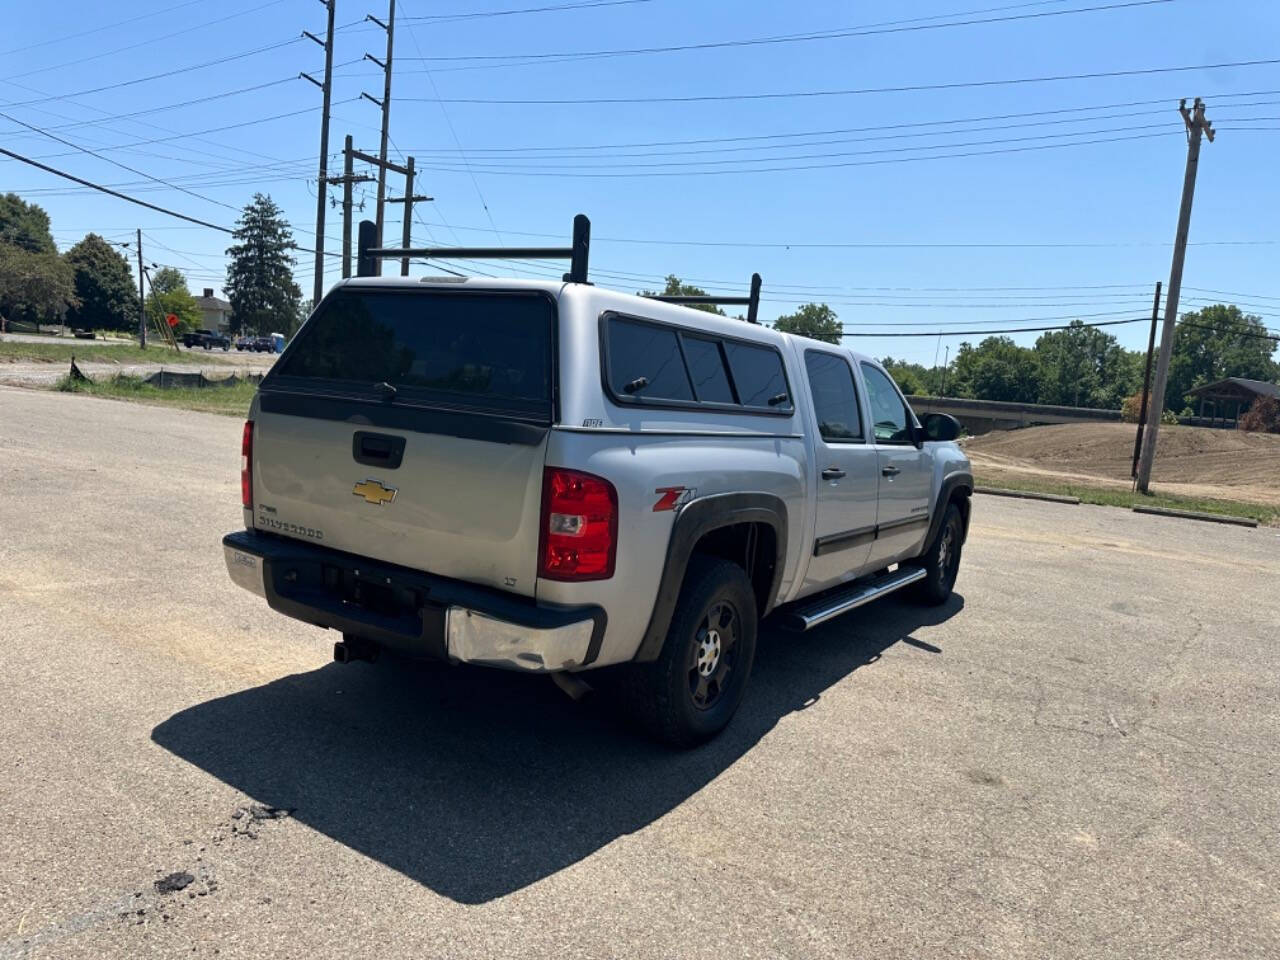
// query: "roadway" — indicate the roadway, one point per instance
point(1075, 758)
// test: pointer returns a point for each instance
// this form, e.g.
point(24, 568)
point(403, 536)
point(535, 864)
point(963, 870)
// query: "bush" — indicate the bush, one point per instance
point(1263, 416)
point(1132, 407)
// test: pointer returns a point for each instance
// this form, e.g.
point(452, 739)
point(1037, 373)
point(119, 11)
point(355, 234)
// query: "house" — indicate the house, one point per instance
point(215, 313)
point(1227, 399)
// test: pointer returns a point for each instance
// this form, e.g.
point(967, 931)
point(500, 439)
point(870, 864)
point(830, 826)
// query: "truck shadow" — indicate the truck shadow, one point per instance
point(477, 783)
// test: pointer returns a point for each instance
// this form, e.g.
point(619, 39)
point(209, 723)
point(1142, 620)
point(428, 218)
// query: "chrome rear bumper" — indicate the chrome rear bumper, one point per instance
point(436, 618)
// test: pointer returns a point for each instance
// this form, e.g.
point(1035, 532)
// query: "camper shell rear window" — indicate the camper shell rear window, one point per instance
point(470, 351)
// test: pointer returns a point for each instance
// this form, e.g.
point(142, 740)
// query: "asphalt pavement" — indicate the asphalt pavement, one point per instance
point(1077, 757)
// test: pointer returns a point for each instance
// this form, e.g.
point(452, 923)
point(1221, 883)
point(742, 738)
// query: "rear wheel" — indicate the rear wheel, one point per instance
point(691, 692)
point(941, 561)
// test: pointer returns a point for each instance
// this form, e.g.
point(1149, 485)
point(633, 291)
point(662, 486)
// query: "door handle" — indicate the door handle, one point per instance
point(890, 472)
point(832, 473)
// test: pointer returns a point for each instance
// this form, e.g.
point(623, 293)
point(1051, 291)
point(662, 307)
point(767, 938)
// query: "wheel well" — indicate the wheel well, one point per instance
point(960, 497)
point(752, 546)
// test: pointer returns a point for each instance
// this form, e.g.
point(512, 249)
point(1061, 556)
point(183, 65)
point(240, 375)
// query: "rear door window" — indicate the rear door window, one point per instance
point(470, 351)
point(645, 362)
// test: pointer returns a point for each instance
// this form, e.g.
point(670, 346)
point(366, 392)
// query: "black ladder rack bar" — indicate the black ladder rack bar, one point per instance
point(576, 254)
point(752, 303)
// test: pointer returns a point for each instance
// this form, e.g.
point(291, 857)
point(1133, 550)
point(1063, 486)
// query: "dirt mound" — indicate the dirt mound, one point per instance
point(1192, 460)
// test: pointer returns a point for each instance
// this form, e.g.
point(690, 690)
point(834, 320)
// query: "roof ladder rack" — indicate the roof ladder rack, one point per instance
point(370, 253)
point(752, 302)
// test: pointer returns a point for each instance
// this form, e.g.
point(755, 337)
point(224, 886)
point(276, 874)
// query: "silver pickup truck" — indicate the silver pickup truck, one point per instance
point(550, 476)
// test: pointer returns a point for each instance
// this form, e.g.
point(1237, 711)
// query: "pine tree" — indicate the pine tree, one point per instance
point(264, 297)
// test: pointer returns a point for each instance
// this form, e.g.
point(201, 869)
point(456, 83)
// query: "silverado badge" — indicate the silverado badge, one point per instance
point(374, 492)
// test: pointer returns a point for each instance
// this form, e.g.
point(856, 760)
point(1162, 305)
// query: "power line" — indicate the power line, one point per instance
point(857, 91)
point(809, 166)
point(61, 38)
point(537, 154)
point(555, 8)
point(157, 76)
point(201, 133)
point(1228, 293)
point(454, 133)
point(845, 331)
point(142, 43)
point(876, 245)
point(117, 163)
point(496, 165)
point(892, 26)
point(174, 106)
point(114, 193)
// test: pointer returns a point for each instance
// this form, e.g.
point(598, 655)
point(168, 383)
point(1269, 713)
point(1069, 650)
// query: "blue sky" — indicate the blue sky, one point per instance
point(960, 242)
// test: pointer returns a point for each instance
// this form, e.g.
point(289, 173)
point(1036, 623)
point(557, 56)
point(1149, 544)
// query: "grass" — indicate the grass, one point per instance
point(91, 351)
point(1114, 497)
point(230, 401)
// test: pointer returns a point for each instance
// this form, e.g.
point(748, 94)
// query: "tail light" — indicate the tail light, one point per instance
point(579, 526)
point(246, 466)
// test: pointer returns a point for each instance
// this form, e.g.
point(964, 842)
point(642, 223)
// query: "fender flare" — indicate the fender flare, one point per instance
point(692, 523)
point(957, 481)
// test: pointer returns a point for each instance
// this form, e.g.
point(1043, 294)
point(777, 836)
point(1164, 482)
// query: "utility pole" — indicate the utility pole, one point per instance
point(409, 199)
point(347, 179)
point(142, 299)
point(1146, 382)
point(385, 104)
point(1197, 126)
point(323, 179)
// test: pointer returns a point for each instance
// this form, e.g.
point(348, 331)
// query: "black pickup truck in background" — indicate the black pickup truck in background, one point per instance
point(207, 339)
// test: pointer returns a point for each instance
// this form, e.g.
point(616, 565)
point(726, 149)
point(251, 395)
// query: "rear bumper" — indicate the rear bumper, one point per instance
point(410, 611)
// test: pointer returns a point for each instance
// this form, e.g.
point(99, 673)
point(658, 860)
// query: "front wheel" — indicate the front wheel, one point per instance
point(941, 561)
point(691, 692)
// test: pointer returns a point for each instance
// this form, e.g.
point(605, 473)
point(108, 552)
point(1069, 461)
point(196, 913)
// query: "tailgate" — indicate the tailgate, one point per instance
point(410, 426)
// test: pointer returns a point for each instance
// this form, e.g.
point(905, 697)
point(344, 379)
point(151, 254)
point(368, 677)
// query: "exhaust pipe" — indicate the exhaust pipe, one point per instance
point(349, 649)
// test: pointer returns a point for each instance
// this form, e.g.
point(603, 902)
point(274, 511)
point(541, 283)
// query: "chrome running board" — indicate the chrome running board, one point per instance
point(807, 614)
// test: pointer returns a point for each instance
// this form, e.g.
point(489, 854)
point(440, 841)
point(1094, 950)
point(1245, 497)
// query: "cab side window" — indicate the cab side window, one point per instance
point(891, 421)
point(835, 398)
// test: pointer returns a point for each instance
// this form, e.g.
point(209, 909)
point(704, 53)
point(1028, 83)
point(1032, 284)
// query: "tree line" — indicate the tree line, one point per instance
point(93, 285)
point(1081, 366)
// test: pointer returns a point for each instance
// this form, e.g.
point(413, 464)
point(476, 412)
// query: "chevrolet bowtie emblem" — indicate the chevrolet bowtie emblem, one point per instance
point(374, 492)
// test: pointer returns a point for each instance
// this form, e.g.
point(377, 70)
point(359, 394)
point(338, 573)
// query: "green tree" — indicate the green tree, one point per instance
point(675, 288)
point(169, 294)
point(1083, 366)
point(815, 320)
point(25, 225)
point(996, 369)
point(104, 287)
point(1215, 343)
point(260, 285)
point(914, 378)
point(34, 287)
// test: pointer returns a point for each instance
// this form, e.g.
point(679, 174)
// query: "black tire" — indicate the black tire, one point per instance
point(691, 692)
point(941, 561)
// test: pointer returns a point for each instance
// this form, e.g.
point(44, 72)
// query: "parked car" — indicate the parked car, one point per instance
point(195, 338)
point(209, 339)
point(244, 343)
point(555, 477)
point(263, 345)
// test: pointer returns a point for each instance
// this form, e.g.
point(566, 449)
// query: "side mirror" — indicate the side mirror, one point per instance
point(939, 426)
